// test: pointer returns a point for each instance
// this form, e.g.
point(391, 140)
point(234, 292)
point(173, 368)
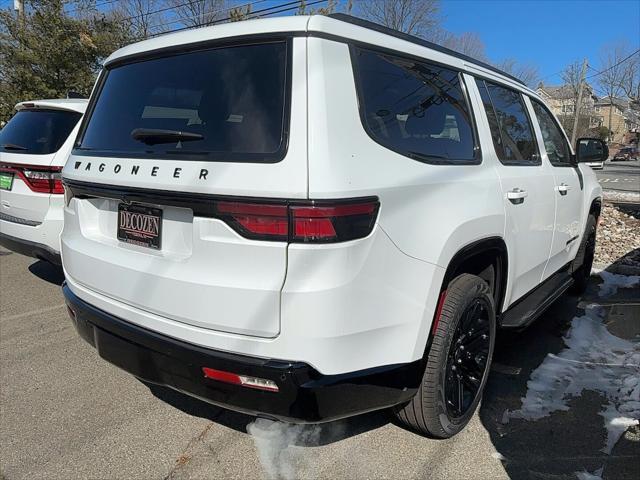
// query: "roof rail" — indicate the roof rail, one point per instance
point(343, 17)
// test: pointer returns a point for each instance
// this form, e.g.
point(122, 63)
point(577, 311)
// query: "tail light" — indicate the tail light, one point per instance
point(301, 222)
point(40, 179)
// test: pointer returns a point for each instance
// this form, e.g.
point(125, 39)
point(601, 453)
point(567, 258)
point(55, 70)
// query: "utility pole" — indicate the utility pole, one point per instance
point(579, 103)
point(18, 6)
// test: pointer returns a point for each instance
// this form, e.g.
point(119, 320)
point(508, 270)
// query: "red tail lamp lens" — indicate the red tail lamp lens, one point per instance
point(315, 222)
point(256, 220)
point(40, 179)
point(327, 223)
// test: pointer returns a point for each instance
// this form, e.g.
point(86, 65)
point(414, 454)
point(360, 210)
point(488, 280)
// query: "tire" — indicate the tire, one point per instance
point(431, 411)
point(584, 257)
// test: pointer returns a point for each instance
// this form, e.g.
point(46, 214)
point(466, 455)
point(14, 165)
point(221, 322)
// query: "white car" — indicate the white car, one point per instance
point(34, 146)
point(324, 217)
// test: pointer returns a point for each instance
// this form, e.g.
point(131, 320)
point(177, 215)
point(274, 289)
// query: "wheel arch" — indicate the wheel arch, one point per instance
point(596, 207)
point(478, 258)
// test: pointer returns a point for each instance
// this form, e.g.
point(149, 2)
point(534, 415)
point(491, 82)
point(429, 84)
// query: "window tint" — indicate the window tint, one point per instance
point(493, 120)
point(554, 141)
point(228, 103)
point(511, 130)
point(37, 131)
point(413, 108)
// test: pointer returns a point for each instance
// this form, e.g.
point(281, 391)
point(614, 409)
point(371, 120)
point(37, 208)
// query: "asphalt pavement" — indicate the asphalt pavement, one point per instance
point(66, 414)
point(621, 176)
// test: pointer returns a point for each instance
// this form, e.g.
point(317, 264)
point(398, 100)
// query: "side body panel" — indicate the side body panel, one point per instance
point(429, 212)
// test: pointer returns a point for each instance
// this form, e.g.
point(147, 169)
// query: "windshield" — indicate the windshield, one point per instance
point(222, 104)
point(37, 132)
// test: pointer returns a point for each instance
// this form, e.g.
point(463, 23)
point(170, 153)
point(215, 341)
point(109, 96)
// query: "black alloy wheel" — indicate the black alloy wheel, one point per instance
point(467, 360)
point(458, 360)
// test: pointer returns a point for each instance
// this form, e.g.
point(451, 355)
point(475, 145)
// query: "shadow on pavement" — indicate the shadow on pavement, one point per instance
point(48, 272)
point(565, 442)
point(328, 433)
point(554, 447)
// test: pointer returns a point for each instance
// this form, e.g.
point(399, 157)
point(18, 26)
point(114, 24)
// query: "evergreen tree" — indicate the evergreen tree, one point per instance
point(50, 51)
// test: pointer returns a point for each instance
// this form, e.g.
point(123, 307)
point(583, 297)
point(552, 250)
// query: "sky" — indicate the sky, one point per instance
point(547, 33)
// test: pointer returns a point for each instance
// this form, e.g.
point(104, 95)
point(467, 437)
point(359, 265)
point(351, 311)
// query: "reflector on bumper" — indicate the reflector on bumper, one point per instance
point(242, 380)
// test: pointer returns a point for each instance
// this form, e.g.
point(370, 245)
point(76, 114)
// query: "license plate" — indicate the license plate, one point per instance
point(6, 180)
point(140, 225)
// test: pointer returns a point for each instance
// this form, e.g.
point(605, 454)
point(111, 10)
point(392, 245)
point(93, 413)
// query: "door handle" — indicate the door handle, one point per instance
point(563, 188)
point(517, 196)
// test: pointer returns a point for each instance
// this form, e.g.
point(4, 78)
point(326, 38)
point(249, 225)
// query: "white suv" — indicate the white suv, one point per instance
point(34, 146)
point(307, 218)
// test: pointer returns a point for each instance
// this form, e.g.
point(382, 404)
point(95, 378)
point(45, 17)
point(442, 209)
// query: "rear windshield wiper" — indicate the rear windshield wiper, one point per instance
point(13, 146)
point(153, 136)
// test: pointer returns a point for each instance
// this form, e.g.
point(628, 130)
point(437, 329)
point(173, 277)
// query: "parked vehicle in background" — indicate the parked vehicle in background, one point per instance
point(626, 153)
point(324, 217)
point(34, 145)
point(596, 165)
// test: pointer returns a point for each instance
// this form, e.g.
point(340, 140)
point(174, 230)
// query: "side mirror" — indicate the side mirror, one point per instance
point(591, 150)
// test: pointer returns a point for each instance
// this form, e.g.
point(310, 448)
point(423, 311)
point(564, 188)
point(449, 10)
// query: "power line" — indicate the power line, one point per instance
point(125, 19)
point(255, 14)
point(98, 4)
point(179, 20)
point(613, 66)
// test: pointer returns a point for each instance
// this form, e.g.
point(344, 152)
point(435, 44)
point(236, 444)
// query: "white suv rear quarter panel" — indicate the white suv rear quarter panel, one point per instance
point(429, 212)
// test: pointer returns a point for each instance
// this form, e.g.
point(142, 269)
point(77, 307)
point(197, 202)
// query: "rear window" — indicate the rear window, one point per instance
point(37, 132)
point(414, 108)
point(222, 104)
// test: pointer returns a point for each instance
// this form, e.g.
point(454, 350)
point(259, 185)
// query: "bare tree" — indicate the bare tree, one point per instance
point(240, 13)
point(528, 73)
point(415, 17)
point(468, 43)
point(612, 73)
point(571, 77)
point(143, 17)
point(631, 80)
point(198, 13)
point(329, 8)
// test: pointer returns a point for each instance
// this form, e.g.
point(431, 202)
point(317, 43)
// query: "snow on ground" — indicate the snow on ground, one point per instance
point(613, 281)
point(620, 196)
point(594, 360)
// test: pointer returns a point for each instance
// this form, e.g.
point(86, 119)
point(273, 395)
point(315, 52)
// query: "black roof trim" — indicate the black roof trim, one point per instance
point(343, 17)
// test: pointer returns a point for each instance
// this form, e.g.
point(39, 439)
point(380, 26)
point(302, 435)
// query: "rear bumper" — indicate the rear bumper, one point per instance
point(30, 249)
point(304, 396)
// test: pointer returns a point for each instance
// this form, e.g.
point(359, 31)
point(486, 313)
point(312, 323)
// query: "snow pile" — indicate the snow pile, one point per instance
point(593, 360)
point(613, 281)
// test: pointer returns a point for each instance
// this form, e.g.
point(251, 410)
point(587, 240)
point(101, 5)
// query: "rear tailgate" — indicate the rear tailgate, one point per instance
point(29, 145)
point(233, 128)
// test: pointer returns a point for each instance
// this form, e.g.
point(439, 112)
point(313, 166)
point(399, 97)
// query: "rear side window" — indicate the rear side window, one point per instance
point(38, 132)
point(511, 130)
point(222, 104)
point(555, 142)
point(414, 108)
